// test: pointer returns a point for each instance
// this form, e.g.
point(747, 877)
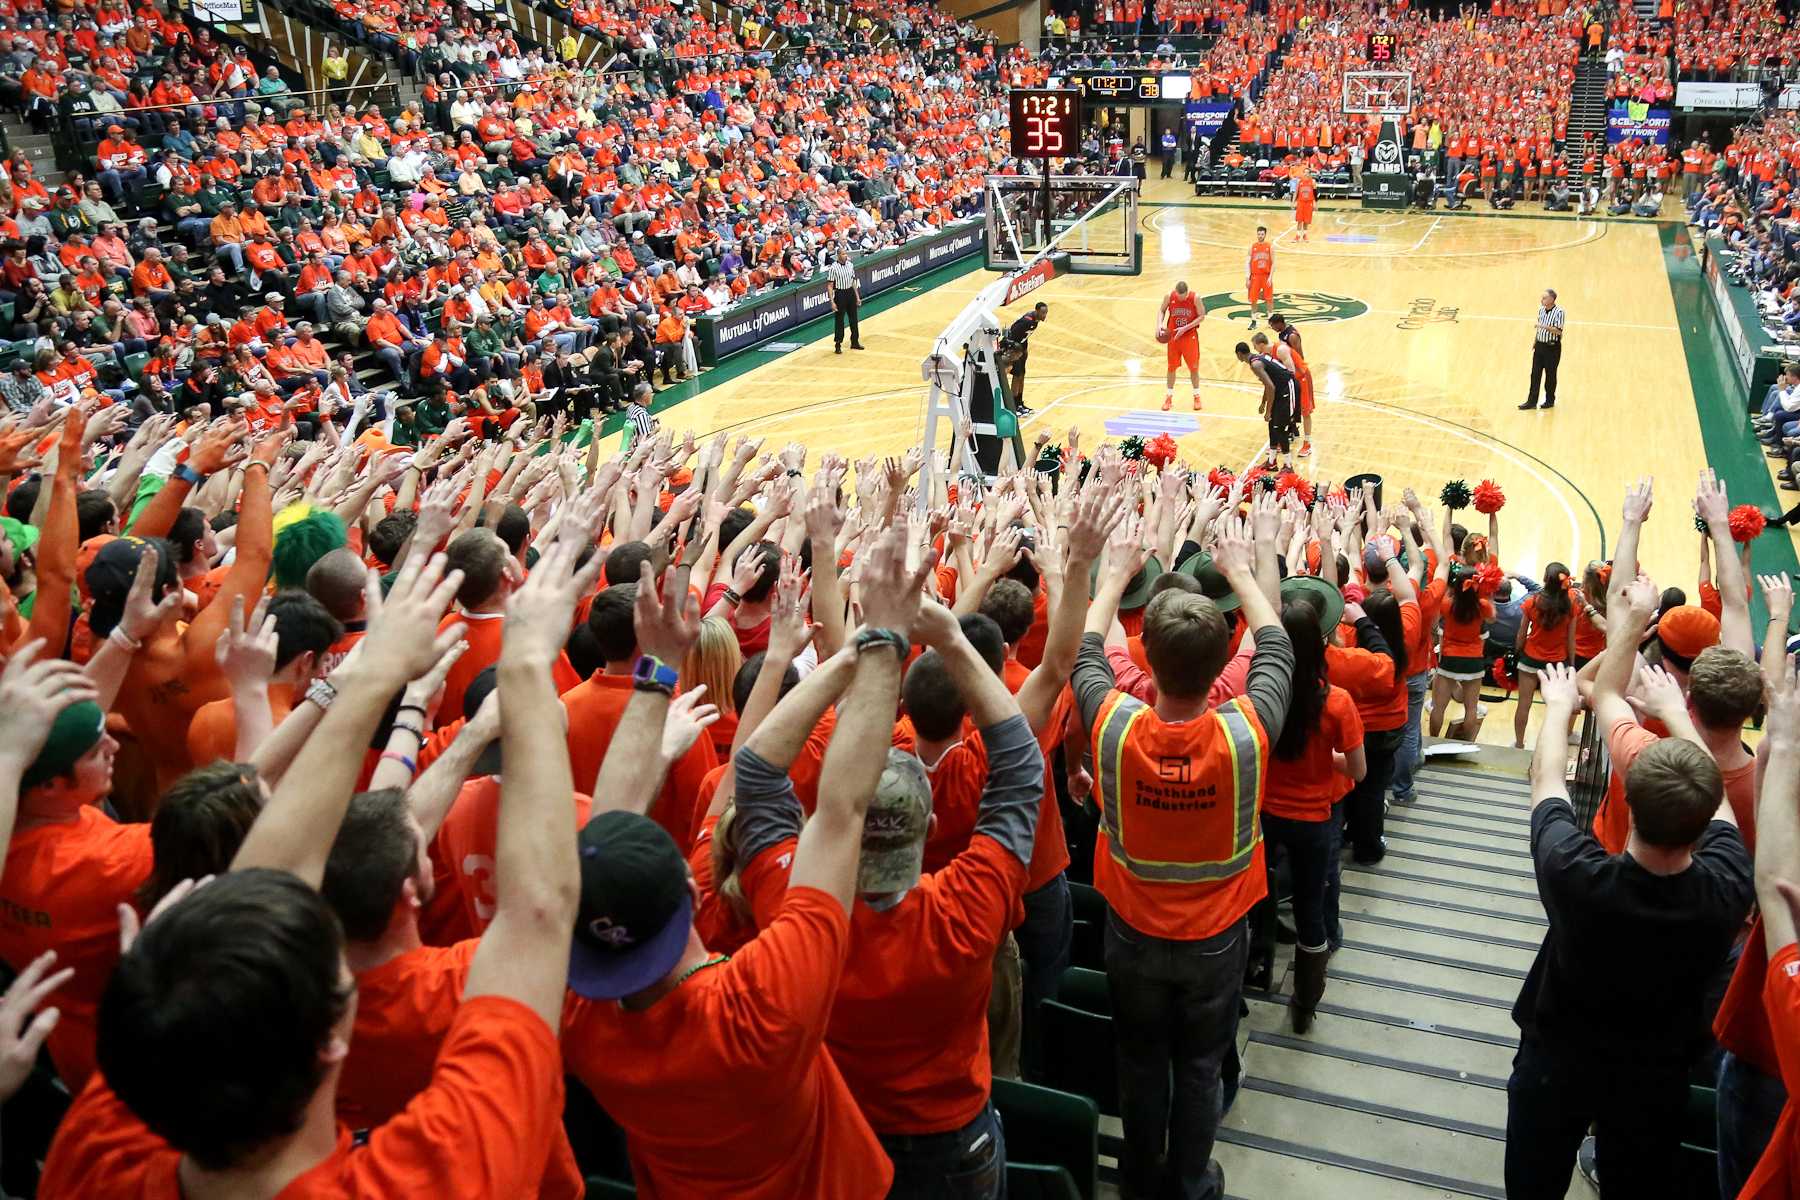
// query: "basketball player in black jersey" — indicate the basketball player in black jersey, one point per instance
point(1280, 398)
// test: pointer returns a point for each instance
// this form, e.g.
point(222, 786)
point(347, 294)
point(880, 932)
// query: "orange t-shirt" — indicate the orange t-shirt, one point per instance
point(1777, 1174)
point(957, 779)
point(909, 1025)
point(595, 707)
point(483, 1128)
point(1418, 639)
point(465, 845)
point(405, 1008)
point(723, 1086)
point(60, 891)
point(1050, 850)
point(482, 632)
point(1742, 1024)
point(1305, 788)
point(1590, 637)
point(1612, 820)
point(1386, 710)
point(212, 735)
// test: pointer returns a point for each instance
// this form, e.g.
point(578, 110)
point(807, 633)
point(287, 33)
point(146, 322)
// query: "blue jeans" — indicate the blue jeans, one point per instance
point(1407, 760)
point(1749, 1105)
point(1045, 938)
point(1365, 818)
point(1175, 1014)
point(1309, 851)
point(964, 1164)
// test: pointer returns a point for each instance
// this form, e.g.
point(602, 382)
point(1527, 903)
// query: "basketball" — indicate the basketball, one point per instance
point(1162, 335)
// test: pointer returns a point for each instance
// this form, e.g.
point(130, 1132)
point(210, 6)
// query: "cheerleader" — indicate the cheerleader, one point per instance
point(1590, 613)
point(1546, 635)
point(1461, 661)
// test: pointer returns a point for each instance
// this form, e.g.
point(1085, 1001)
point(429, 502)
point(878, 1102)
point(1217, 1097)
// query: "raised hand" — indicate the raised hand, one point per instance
point(247, 649)
point(1782, 722)
point(667, 626)
point(1778, 596)
point(748, 569)
point(33, 690)
point(891, 593)
point(1658, 692)
point(1557, 682)
point(1710, 501)
point(143, 615)
point(685, 721)
point(22, 1033)
point(789, 627)
point(403, 641)
point(14, 455)
point(1638, 500)
point(936, 626)
point(1097, 514)
point(539, 614)
point(1265, 517)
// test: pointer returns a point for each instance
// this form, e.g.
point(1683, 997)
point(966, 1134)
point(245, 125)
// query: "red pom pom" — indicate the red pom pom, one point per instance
point(1488, 578)
point(1253, 477)
point(1747, 523)
point(1220, 478)
point(1290, 481)
point(1503, 677)
point(1160, 451)
point(1487, 497)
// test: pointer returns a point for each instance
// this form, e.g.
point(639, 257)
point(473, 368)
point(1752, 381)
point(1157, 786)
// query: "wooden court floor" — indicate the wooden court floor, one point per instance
point(1418, 329)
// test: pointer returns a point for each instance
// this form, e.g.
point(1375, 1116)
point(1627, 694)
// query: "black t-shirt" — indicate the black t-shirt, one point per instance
point(1620, 977)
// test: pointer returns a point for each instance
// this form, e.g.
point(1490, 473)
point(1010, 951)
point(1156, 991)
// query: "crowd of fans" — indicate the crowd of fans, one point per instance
point(1715, 38)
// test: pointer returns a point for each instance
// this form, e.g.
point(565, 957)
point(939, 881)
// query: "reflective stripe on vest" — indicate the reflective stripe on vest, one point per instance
point(1116, 721)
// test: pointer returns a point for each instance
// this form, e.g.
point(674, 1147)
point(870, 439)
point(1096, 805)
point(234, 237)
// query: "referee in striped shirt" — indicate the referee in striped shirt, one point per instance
point(638, 421)
point(1546, 353)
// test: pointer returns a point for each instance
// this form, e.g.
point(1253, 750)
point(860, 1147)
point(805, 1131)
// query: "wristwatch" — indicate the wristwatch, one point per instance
point(321, 692)
point(652, 674)
point(188, 475)
point(870, 637)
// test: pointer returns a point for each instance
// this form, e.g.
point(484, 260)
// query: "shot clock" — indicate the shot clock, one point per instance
point(1383, 49)
point(1045, 123)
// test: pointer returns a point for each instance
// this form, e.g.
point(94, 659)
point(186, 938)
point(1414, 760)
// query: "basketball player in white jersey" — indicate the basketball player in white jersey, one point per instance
point(1178, 327)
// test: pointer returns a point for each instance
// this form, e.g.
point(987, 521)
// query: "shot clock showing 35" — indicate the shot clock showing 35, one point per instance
point(1045, 123)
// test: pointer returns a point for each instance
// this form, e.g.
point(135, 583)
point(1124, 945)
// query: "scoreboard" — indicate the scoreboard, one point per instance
point(1383, 49)
point(1045, 123)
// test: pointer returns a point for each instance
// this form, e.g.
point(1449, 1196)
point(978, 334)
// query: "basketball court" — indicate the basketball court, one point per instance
point(1418, 329)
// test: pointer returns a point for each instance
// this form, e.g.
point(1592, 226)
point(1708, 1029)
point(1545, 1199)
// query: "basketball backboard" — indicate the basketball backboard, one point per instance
point(1383, 93)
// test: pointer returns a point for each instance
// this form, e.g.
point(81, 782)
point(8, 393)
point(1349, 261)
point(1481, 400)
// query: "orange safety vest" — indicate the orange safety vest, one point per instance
point(1180, 853)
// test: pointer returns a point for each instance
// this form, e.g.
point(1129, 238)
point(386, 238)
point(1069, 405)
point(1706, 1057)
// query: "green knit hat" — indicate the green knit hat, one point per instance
point(76, 730)
point(304, 534)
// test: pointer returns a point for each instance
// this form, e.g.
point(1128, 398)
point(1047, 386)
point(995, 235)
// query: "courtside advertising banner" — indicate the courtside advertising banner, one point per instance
point(762, 318)
point(1630, 121)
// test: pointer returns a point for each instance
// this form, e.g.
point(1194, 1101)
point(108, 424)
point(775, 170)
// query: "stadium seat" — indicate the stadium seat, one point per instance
point(1044, 1125)
point(1090, 926)
point(1030, 1181)
point(1079, 1055)
point(1084, 988)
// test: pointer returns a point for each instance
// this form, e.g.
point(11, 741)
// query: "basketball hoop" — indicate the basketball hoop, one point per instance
point(1378, 93)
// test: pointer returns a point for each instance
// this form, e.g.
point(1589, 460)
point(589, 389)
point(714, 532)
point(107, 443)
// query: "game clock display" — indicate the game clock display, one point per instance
point(1384, 49)
point(1045, 123)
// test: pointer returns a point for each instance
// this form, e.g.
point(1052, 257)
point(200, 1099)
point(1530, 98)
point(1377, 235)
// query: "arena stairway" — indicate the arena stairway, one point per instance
point(1399, 1089)
point(1587, 106)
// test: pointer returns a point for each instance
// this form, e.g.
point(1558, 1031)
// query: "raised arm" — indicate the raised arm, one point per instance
point(34, 689)
point(206, 458)
point(1098, 511)
point(295, 832)
point(632, 773)
point(830, 845)
point(1778, 598)
point(1625, 554)
point(1550, 760)
point(1734, 587)
point(255, 549)
point(1627, 616)
point(1777, 816)
point(524, 954)
point(57, 543)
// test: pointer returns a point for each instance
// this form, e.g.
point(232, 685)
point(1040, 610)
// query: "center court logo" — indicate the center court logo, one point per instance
point(1298, 307)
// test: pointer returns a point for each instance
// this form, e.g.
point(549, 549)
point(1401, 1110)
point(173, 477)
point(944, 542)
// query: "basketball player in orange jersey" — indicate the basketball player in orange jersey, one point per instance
point(1290, 339)
point(1305, 193)
point(1178, 325)
point(1261, 267)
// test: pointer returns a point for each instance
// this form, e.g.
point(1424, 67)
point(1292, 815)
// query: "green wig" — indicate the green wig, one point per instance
point(304, 533)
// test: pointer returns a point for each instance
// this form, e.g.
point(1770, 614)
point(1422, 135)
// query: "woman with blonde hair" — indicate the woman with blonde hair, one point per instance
point(714, 660)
